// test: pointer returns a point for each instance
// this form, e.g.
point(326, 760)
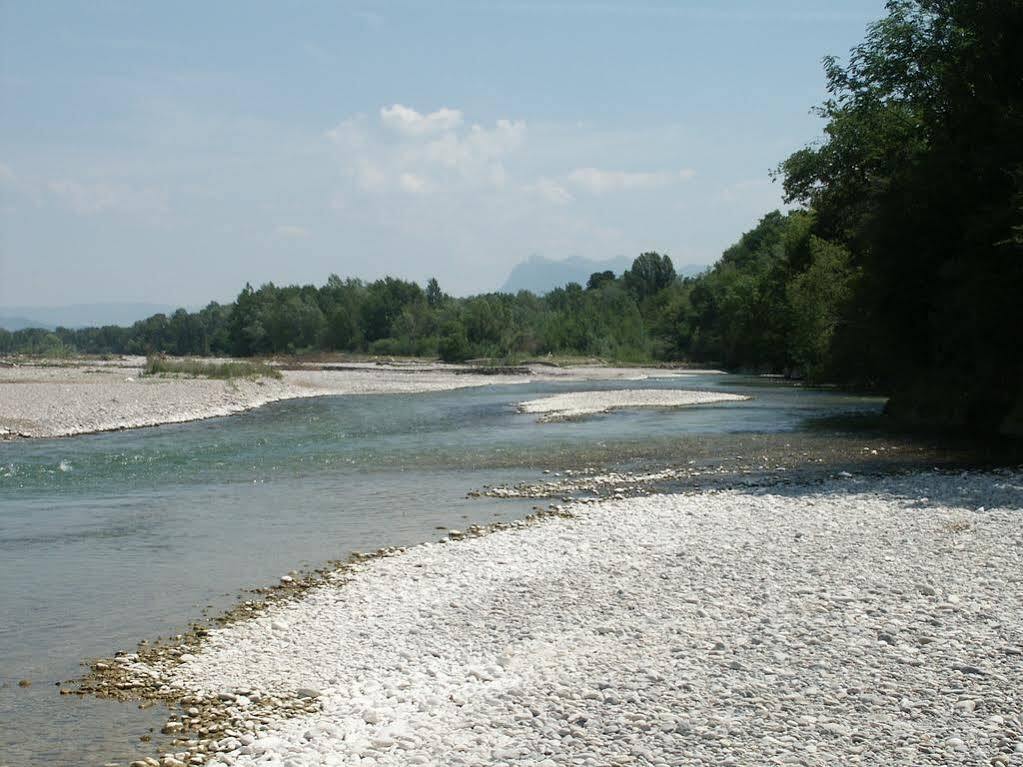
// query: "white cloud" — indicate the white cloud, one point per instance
point(412, 183)
point(476, 155)
point(434, 152)
point(291, 232)
point(549, 190)
point(6, 174)
point(408, 122)
point(93, 198)
point(597, 181)
point(369, 177)
point(349, 134)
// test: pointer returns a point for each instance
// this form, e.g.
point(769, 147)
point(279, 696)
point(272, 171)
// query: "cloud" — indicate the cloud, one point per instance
point(412, 153)
point(349, 134)
point(95, 198)
point(411, 183)
point(408, 122)
point(291, 232)
point(478, 145)
point(6, 174)
point(369, 177)
point(549, 190)
point(597, 181)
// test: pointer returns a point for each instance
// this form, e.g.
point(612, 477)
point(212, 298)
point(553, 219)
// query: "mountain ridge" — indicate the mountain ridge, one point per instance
point(122, 313)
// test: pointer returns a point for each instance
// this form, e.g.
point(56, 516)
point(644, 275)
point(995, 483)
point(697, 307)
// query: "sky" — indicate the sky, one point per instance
point(171, 152)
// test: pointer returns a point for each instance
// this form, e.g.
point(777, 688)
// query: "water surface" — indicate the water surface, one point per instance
point(107, 539)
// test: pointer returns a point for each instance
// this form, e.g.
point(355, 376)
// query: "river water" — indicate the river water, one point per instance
point(111, 538)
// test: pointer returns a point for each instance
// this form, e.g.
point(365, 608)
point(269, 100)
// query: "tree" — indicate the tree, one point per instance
point(434, 295)
point(383, 304)
point(600, 279)
point(341, 332)
point(817, 299)
point(920, 176)
point(454, 344)
point(650, 273)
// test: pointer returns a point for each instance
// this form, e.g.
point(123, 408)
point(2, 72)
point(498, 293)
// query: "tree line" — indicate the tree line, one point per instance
point(899, 268)
point(611, 317)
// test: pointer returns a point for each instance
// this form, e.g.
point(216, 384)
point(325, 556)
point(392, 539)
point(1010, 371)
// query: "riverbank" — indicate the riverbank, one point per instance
point(72, 397)
point(872, 620)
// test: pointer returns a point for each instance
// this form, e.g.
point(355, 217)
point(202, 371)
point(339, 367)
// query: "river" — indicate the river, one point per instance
point(111, 538)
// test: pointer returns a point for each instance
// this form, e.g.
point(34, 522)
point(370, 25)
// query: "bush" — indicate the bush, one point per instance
point(454, 344)
point(159, 366)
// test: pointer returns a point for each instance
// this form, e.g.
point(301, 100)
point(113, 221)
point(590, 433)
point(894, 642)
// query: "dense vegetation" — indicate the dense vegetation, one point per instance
point(158, 365)
point(901, 272)
point(919, 182)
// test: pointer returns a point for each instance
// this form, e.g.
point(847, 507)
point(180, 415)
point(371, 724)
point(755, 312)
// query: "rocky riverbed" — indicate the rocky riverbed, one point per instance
point(857, 620)
point(58, 399)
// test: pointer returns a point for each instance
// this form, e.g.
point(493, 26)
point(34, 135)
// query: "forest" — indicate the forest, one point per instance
point(898, 267)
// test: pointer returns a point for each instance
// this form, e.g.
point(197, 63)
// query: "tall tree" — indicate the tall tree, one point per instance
point(650, 273)
point(920, 175)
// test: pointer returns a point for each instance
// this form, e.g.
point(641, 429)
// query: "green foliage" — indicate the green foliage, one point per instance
point(383, 304)
point(454, 343)
point(157, 365)
point(920, 177)
point(34, 342)
point(650, 273)
point(739, 315)
point(434, 295)
point(817, 298)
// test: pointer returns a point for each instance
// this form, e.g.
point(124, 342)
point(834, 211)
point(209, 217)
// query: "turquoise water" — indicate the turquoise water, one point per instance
point(107, 539)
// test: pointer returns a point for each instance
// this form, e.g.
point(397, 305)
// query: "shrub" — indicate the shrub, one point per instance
point(159, 366)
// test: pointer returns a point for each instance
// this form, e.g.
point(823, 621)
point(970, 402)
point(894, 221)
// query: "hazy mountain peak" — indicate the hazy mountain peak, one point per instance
point(79, 315)
point(539, 274)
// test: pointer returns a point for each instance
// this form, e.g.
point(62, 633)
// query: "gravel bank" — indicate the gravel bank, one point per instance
point(84, 397)
point(560, 407)
point(856, 621)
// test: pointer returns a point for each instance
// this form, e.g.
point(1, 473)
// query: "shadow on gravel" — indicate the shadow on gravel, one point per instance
point(848, 449)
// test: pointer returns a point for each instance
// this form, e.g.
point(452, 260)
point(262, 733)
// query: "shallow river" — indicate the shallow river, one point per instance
point(111, 538)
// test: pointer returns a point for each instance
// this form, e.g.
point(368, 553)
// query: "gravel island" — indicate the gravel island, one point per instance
point(857, 620)
point(570, 405)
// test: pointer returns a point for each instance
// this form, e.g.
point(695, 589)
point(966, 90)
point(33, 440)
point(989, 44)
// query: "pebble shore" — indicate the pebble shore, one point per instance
point(859, 620)
point(572, 405)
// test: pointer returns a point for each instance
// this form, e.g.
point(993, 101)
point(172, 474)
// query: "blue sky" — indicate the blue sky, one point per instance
point(170, 152)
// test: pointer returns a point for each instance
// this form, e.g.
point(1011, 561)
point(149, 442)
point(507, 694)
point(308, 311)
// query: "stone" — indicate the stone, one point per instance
point(673, 629)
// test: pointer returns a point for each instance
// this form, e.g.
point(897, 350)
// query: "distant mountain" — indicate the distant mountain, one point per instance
point(20, 323)
point(540, 275)
point(78, 315)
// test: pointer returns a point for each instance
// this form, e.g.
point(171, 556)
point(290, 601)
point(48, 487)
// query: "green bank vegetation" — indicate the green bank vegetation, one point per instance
point(158, 365)
point(899, 268)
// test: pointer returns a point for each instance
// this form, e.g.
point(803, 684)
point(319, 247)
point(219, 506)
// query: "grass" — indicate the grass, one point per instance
point(160, 366)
